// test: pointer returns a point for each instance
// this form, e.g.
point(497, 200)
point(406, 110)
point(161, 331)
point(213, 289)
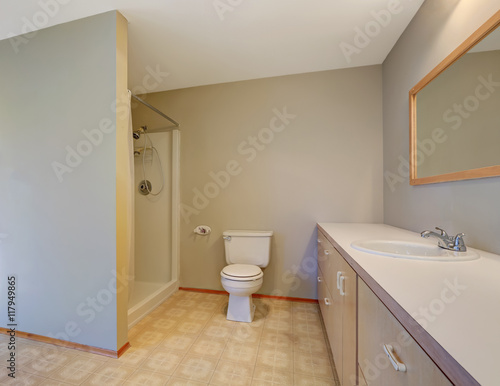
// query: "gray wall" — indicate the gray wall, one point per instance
point(59, 234)
point(467, 206)
point(322, 164)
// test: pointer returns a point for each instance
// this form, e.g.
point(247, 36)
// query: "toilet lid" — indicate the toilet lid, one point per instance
point(241, 270)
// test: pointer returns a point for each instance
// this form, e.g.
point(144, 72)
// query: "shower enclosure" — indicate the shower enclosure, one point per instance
point(155, 267)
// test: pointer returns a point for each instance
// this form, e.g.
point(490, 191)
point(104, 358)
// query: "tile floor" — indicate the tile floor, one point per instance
point(188, 341)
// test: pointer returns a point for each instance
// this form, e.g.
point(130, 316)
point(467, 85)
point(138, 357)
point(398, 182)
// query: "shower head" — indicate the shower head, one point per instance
point(137, 133)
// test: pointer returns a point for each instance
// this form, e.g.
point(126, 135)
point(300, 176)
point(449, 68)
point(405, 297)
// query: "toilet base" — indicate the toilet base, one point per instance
point(240, 309)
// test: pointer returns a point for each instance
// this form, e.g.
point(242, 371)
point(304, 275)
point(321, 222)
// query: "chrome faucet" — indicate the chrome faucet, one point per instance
point(453, 243)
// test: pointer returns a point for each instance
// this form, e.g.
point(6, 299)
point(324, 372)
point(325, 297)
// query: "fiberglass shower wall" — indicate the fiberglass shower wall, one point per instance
point(153, 213)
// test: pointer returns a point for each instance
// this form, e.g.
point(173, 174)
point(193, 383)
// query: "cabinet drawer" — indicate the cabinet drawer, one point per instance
point(377, 328)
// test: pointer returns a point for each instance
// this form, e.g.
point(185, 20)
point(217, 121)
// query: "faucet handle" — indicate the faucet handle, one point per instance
point(443, 232)
point(458, 242)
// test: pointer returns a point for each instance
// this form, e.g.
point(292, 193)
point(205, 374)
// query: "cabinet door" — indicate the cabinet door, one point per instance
point(361, 378)
point(326, 257)
point(337, 314)
point(324, 247)
point(378, 327)
point(324, 300)
point(337, 298)
point(348, 288)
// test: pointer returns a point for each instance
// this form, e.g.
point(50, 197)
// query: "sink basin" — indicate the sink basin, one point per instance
point(412, 250)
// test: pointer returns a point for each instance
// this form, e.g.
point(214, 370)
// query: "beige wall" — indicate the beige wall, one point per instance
point(317, 156)
point(466, 206)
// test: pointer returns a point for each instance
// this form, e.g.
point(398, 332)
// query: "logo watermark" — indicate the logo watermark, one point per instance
point(456, 115)
point(93, 138)
point(365, 35)
point(48, 9)
point(88, 309)
point(425, 315)
point(224, 6)
point(249, 148)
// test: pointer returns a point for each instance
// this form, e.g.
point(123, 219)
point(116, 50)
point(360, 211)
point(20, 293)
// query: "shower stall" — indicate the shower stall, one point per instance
point(154, 270)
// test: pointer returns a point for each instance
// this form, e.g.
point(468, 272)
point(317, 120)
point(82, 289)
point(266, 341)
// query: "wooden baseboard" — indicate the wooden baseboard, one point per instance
point(209, 291)
point(303, 300)
point(121, 351)
point(205, 291)
point(66, 344)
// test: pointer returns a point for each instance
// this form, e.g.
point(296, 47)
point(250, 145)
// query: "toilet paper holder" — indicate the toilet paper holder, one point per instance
point(202, 230)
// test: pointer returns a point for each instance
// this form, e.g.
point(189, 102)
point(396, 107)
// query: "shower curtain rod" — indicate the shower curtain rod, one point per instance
point(154, 109)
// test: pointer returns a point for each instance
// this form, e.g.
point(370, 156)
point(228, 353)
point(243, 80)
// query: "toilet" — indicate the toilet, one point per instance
point(246, 253)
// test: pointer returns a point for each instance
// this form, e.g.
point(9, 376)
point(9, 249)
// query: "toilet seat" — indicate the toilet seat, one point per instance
point(242, 272)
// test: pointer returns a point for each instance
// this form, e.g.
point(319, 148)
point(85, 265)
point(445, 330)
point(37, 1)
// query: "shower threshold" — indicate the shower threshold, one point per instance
point(146, 297)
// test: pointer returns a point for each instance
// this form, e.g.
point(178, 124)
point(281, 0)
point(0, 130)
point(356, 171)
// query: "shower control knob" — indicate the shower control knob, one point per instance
point(202, 230)
point(145, 187)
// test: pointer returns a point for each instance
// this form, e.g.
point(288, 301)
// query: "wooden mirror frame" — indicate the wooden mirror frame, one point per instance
point(461, 50)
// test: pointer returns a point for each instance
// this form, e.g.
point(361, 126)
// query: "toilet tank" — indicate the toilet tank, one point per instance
point(248, 247)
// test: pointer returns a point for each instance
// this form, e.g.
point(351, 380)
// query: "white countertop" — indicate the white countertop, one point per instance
point(457, 303)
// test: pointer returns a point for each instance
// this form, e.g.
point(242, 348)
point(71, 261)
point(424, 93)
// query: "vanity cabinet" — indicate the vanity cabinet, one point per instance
point(367, 325)
point(337, 300)
point(381, 336)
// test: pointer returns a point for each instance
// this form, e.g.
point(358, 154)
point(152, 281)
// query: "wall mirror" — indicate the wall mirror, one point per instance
point(455, 113)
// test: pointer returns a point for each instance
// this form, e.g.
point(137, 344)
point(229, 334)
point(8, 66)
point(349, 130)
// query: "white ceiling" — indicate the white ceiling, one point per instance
point(201, 42)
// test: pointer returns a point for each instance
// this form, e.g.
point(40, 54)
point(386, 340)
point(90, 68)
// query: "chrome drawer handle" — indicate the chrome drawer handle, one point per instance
point(320, 280)
point(398, 366)
point(338, 279)
point(342, 281)
point(327, 301)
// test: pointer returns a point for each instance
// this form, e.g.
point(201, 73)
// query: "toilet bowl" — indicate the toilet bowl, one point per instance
point(241, 281)
point(246, 253)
